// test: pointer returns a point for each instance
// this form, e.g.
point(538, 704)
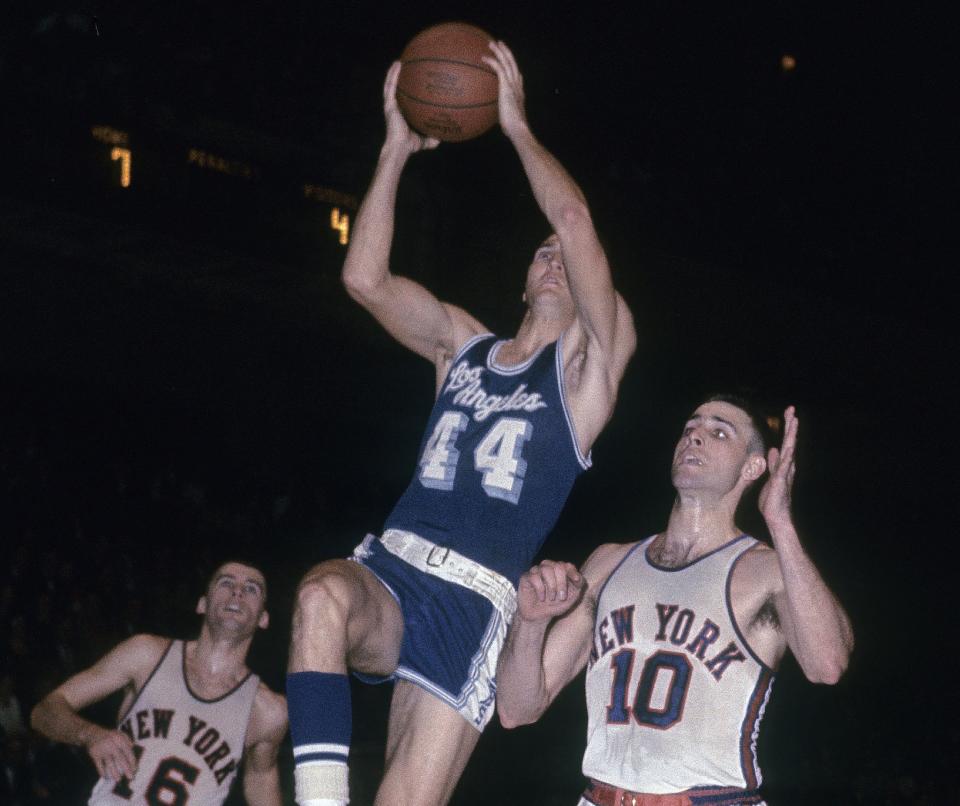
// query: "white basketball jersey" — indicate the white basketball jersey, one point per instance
point(189, 749)
point(674, 694)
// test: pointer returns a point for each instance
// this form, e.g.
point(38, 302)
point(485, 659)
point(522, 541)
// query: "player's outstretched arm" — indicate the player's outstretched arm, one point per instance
point(410, 313)
point(268, 726)
point(600, 312)
point(816, 627)
point(56, 715)
point(551, 635)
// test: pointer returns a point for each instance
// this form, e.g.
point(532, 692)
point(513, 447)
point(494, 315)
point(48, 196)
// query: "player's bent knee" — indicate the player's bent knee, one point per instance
point(327, 594)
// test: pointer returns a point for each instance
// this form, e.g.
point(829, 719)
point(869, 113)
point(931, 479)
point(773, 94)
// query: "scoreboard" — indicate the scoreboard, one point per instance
point(134, 166)
point(198, 181)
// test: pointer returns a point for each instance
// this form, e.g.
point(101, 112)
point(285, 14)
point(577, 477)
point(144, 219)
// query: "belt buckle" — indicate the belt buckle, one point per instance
point(437, 556)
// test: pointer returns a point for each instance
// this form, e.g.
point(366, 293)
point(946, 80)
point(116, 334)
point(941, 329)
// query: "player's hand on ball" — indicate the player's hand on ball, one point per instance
point(112, 753)
point(549, 590)
point(398, 130)
point(510, 98)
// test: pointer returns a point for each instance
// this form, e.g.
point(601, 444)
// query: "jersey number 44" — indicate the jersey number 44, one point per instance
point(498, 456)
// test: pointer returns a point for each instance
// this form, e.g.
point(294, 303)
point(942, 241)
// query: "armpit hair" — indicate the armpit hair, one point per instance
point(591, 605)
point(767, 615)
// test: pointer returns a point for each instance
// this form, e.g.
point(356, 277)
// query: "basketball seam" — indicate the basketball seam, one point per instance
point(437, 60)
point(414, 98)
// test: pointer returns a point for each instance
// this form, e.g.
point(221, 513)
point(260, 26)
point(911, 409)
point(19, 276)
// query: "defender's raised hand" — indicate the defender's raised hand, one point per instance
point(775, 497)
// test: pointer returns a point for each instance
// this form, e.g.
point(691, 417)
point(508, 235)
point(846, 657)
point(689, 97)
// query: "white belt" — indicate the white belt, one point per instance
point(448, 565)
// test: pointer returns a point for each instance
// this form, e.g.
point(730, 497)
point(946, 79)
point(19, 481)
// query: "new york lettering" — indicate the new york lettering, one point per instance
point(676, 626)
point(142, 726)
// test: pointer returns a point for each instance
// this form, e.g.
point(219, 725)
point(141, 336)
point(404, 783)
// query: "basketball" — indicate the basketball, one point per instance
point(444, 89)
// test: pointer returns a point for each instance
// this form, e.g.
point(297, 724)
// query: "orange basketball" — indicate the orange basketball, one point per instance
point(444, 89)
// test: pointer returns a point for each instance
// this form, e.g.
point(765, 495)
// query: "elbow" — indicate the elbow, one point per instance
point(571, 217)
point(37, 714)
point(826, 677)
point(512, 718)
point(829, 670)
point(35, 717)
point(627, 329)
point(357, 285)
point(362, 288)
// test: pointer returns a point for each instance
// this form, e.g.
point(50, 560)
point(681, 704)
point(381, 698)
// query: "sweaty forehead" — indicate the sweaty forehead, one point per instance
point(241, 573)
point(719, 410)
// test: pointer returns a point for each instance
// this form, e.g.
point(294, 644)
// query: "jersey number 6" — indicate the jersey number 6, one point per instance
point(168, 787)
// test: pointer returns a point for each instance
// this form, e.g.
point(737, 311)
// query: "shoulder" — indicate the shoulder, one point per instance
point(142, 652)
point(759, 567)
point(268, 717)
point(603, 562)
point(464, 327)
point(129, 664)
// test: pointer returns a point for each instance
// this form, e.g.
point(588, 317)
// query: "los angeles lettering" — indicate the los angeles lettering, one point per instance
point(675, 626)
point(205, 739)
point(466, 382)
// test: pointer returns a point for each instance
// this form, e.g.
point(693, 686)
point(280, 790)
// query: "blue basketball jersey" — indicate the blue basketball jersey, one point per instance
point(497, 461)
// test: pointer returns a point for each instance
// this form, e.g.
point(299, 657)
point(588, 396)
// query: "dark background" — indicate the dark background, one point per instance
point(183, 378)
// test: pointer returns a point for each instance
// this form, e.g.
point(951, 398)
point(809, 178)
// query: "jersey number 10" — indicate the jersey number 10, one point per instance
point(661, 690)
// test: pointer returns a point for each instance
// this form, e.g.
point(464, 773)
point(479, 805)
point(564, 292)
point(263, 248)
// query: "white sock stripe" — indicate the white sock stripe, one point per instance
point(320, 763)
point(302, 749)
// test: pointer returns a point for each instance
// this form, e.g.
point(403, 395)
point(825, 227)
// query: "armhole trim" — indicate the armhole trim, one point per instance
point(146, 682)
point(586, 462)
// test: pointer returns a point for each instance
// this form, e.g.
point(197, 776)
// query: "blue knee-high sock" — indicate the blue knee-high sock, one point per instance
point(320, 725)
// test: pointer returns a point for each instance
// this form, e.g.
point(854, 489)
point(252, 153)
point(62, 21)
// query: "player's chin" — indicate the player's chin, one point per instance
point(235, 622)
point(685, 476)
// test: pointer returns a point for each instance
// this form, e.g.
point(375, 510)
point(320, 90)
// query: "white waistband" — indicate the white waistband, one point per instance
point(448, 565)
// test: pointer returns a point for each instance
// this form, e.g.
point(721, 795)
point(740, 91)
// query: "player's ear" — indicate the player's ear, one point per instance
point(264, 621)
point(202, 605)
point(754, 467)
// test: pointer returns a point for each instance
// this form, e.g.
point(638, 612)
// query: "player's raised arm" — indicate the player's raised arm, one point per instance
point(408, 311)
point(817, 629)
point(56, 715)
point(601, 313)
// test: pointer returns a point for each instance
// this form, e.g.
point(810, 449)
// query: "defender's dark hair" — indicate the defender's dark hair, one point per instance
point(763, 424)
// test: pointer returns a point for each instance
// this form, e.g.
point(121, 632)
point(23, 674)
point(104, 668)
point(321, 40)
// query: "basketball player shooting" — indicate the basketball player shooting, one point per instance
point(429, 601)
point(191, 710)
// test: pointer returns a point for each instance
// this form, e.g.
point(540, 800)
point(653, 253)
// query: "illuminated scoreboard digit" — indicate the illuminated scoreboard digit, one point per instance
point(119, 141)
point(126, 159)
point(121, 153)
point(339, 221)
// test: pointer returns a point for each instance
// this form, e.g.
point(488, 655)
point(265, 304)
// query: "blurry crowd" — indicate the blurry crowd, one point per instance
point(94, 551)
